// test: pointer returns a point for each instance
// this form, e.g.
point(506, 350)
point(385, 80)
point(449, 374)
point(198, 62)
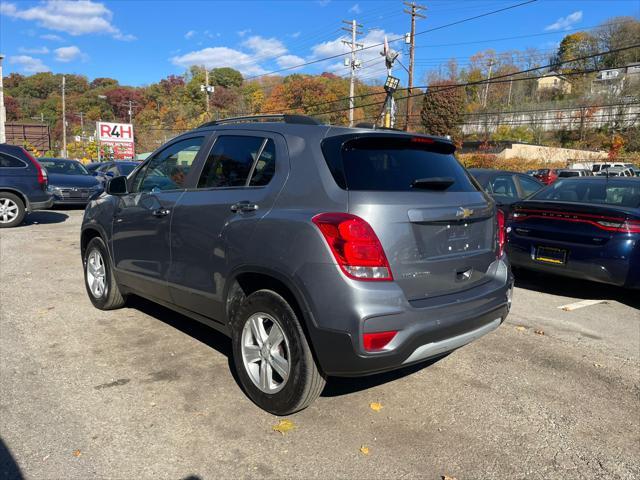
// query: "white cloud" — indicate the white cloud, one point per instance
point(355, 9)
point(68, 54)
point(242, 33)
point(52, 37)
point(564, 23)
point(80, 17)
point(34, 51)
point(287, 61)
point(189, 34)
point(265, 47)
point(29, 64)
point(295, 34)
point(324, 3)
point(213, 57)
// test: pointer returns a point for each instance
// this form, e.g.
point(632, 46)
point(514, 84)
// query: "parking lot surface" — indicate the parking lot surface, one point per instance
point(143, 392)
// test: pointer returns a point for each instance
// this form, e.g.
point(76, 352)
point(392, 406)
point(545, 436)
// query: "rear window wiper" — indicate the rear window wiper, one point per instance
point(433, 183)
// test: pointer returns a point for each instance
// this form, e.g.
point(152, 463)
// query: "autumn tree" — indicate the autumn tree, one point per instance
point(442, 109)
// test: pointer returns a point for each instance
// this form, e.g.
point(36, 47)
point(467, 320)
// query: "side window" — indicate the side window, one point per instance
point(168, 169)
point(230, 161)
point(265, 166)
point(7, 161)
point(503, 186)
point(529, 187)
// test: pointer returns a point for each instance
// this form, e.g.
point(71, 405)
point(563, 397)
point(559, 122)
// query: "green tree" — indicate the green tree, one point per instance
point(442, 109)
point(225, 77)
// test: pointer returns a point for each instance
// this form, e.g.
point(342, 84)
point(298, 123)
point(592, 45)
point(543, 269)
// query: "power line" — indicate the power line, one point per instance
point(458, 22)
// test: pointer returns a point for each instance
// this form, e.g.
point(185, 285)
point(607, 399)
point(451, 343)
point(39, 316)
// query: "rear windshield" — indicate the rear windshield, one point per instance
point(569, 174)
point(393, 164)
point(622, 193)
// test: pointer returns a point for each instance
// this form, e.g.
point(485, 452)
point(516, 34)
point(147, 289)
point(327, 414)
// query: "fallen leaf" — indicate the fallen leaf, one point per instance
point(375, 406)
point(520, 328)
point(283, 426)
point(538, 332)
point(77, 453)
point(447, 477)
point(597, 365)
point(364, 450)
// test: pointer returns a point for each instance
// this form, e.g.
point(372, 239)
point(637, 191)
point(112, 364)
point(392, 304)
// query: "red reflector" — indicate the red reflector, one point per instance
point(377, 341)
point(501, 233)
point(355, 246)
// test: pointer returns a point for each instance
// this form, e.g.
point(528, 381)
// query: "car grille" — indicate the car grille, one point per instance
point(75, 193)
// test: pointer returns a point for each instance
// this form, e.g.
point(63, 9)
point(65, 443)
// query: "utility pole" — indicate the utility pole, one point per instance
point(206, 88)
point(412, 46)
point(3, 112)
point(130, 111)
point(64, 120)
point(353, 63)
point(510, 87)
point(486, 88)
point(81, 115)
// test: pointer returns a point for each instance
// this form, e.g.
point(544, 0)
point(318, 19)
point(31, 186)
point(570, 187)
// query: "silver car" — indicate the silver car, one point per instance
point(320, 250)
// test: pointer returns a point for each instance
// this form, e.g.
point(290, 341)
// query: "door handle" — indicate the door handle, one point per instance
point(161, 212)
point(244, 207)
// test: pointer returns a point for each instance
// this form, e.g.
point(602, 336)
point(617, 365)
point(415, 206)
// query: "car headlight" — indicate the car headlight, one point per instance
point(53, 189)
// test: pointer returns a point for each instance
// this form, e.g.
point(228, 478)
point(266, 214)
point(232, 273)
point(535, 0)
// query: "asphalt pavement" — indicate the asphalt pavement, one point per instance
point(143, 392)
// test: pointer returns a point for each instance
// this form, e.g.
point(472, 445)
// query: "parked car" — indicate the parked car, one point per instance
point(547, 175)
point(69, 182)
point(115, 168)
point(600, 166)
point(617, 172)
point(319, 250)
point(506, 188)
point(574, 172)
point(585, 228)
point(23, 185)
point(532, 173)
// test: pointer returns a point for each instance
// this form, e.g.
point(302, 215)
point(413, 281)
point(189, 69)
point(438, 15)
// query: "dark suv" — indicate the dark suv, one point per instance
point(319, 250)
point(23, 185)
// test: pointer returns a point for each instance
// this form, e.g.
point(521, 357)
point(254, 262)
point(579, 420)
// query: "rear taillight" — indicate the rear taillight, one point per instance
point(373, 342)
point(42, 173)
point(501, 233)
point(355, 246)
point(609, 224)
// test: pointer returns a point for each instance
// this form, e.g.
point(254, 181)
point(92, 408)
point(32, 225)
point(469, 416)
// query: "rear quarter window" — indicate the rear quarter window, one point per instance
point(392, 163)
point(7, 161)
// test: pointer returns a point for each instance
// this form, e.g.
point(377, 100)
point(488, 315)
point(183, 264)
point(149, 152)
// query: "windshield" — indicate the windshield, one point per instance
point(616, 192)
point(396, 164)
point(65, 167)
point(126, 169)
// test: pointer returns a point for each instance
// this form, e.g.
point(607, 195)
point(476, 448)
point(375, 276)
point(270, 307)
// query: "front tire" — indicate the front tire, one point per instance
point(12, 210)
point(272, 357)
point(99, 280)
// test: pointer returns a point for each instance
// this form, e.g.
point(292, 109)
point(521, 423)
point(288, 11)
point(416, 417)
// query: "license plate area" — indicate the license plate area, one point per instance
point(551, 255)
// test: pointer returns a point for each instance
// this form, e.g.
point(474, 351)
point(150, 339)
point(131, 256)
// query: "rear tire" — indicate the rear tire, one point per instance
point(99, 280)
point(12, 210)
point(272, 357)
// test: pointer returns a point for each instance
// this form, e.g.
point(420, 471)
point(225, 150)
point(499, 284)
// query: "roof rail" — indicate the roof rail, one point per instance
point(297, 119)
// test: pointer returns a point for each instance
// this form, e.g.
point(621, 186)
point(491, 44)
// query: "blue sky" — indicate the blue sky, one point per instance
point(140, 42)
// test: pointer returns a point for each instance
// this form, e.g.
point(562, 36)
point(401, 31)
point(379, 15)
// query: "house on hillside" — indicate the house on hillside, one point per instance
point(553, 81)
point(612, 81)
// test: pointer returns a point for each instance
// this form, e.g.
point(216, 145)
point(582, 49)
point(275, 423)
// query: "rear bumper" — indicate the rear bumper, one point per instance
point(426, 329)
point(43, 205)
point(612, 263)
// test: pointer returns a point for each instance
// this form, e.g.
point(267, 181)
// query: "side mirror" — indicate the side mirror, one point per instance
point(117, 186)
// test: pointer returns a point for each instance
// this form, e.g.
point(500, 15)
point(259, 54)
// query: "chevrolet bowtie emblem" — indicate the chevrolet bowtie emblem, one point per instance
point(464, 212)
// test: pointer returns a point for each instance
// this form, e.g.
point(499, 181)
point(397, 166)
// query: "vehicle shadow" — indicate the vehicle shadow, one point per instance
point(9, 469)
point(43, 217)
point(574, 288)
point(336, 386)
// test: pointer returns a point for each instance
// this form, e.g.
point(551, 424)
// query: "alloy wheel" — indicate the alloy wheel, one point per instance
point(96, 274)
point(8, 210)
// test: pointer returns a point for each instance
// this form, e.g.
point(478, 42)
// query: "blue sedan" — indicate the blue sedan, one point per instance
point(587, 227)
point(69, 181)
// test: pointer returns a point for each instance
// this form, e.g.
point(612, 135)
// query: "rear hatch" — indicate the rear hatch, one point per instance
point(437, 227)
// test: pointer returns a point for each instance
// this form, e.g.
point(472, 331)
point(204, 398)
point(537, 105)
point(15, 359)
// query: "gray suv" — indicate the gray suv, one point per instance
point(319, 250)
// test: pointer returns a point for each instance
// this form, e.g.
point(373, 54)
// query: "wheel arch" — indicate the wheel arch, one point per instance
point(21, 196)
point(88, 233)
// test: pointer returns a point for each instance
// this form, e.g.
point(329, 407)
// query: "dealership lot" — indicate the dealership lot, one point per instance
point(144, 392)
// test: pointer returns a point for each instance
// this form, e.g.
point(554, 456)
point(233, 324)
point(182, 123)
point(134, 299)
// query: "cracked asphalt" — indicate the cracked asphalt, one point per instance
point(143, 392)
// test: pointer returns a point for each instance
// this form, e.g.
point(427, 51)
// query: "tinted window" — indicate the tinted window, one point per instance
point(503, 186)
point(265, 166)
point(625, 193)
point(528, 186)
point(127, 168)
point(7, 161)
point(393, 164)
point(569, 174)
point(230, 161)
point(168, 169)
point(64, 167)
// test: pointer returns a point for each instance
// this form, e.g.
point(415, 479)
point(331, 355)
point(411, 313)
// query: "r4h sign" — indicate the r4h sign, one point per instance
point(115, 132)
